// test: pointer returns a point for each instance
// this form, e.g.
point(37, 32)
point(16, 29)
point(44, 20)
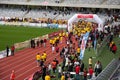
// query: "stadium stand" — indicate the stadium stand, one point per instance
point(68, 3)
point(112, 2)
point(108, 2)
point(84, 1)
point(9, 12)
point(65, 14)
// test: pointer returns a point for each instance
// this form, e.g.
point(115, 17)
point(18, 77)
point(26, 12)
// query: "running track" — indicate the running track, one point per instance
point(24, 62)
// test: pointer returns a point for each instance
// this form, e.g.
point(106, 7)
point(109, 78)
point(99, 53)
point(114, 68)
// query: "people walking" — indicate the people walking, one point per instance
point(12, 50)
point(12, 76)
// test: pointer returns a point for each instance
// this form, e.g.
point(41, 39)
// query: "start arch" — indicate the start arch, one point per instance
point(76, 17)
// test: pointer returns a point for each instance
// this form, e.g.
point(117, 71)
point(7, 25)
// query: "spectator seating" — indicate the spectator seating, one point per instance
point(105, 2)
point(9, 12)
point(112, 2)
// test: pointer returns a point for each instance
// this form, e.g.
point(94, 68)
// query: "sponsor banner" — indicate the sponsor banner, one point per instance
point(34, 24)
point(2, 22)
point(43, 25)
point(4, 53)
point(22, 44)
point(83, 45)
point(85, 16)
point(27, 42)
point(52, 25)
point(62, 26)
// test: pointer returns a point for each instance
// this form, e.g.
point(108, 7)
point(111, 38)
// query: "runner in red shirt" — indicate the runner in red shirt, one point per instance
point(90, 71)
point(44, 42)
point(57, 49)
point(12, 76)
point(12, 50)
point(85, 74)
point(77, 69)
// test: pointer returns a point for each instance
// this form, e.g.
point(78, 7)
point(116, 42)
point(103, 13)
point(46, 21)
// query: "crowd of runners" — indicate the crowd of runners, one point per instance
point(70, 53)
point(72, 67)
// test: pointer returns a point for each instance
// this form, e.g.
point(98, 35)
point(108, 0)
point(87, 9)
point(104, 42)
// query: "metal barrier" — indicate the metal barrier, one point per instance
point(116, 74)
point(107, 72)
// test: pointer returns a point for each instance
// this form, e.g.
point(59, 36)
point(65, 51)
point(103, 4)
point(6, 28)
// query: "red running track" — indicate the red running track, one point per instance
point(24, 62)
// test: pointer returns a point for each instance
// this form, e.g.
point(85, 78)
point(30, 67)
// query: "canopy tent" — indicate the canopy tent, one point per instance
point(76, 17)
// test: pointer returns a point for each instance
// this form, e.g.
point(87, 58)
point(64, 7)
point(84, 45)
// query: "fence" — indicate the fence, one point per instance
point(116, 74)
point(107, 72)
point(21, 45)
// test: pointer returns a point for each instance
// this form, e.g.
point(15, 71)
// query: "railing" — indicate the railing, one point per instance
point(116, 73)
point(107, 72)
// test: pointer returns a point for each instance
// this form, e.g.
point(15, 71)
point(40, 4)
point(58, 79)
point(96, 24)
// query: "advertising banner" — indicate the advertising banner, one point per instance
point(52, 25)
point(83, 45)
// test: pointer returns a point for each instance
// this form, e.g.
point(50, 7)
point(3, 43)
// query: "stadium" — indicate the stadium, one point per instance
point(59, 39)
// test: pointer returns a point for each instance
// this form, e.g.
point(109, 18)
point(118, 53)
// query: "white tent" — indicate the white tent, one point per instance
point(76, 17)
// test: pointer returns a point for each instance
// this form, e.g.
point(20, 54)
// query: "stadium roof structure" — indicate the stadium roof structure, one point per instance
point(60, 4)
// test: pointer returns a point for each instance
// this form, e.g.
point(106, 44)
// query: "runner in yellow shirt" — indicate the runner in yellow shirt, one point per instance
point(78, 50)
point(63, 34)
point(66, 34)
point(57, 37)
point(60, 34)
point(38, 58)
point(63, 77)
point(47, 77)
point(45, 55)
point(51, 41)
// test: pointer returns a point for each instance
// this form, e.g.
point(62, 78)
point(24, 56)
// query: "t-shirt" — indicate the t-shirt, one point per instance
point(77, 69)
point(51, 41)
point(53, 64)
point(60, 34)
point(90, 61)
point(38, 57)
point(78, 50)
point(45, 55)
point(63, 34)
point(62, 77)
point(12, 77)
point(47, 77)
point(90, 71)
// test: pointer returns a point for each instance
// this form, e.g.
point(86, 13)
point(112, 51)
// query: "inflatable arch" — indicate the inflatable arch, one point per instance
point(76, 17)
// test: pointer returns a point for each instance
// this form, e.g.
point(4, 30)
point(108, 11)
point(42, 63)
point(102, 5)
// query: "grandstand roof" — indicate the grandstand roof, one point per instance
point(37, 3)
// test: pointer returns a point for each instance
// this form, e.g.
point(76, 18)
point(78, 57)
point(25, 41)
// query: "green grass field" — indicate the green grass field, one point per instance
point(106, 55)
point(13, 34)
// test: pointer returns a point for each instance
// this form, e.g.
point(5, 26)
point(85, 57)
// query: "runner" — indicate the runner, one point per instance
point(12, 76)
point(38, 57)
point(45, 55)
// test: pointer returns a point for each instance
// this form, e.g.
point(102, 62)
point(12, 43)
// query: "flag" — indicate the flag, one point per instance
point(83, 45)
point(95, 41)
